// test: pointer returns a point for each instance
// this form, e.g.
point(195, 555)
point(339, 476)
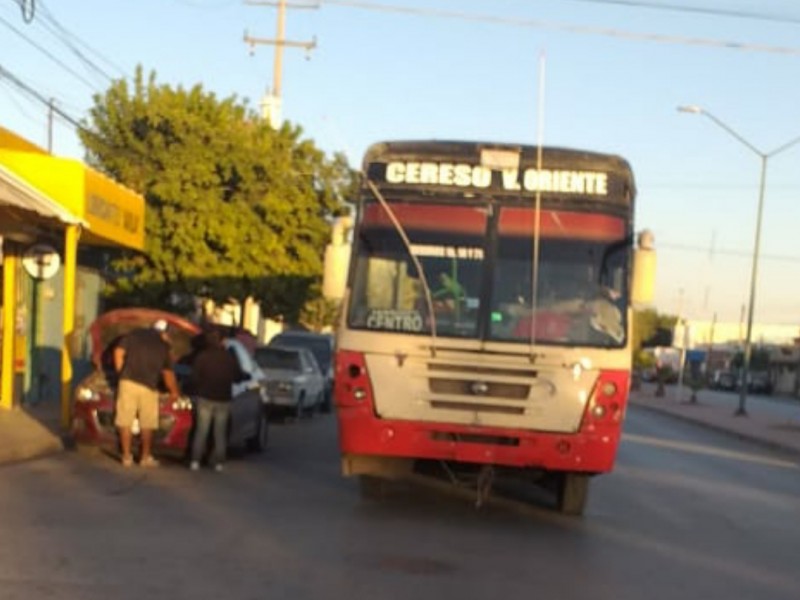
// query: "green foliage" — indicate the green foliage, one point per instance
point(234, 208)
point(319, 314)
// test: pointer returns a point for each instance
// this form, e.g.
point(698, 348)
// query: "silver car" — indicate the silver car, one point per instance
point(295, 384)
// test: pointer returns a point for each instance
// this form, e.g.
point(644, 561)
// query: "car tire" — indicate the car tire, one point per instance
point(300, 408)
point(259, 442)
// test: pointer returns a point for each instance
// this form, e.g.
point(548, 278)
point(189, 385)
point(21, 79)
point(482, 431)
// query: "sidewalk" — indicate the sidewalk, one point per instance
point(29, 432)
point(770, 421)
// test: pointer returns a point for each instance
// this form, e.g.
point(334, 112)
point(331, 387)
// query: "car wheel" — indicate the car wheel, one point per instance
point(258, 443)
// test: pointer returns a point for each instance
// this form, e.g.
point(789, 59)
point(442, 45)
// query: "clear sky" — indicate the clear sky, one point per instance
point(614, 73)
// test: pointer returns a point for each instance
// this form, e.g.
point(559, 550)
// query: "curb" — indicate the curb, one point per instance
point(22, 453)
point(755, 438)
point(24, 438)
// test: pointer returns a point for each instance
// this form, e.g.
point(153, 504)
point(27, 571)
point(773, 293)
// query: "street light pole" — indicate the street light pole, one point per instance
point(748, 346)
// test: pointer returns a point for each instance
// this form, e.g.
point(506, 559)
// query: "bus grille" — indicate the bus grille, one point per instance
point(500, 390)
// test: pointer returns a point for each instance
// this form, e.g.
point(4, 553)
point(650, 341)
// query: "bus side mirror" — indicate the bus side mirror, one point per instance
point(337, 260)
point(644, 270)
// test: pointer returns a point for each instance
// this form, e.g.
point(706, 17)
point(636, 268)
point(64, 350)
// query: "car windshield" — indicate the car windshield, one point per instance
point(277, 358)
point(320, 347)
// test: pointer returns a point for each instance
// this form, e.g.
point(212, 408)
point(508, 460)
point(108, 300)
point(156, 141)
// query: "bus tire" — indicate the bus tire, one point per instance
point(572, 493)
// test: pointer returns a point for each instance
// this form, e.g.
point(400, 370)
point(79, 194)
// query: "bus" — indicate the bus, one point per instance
point(486, 293)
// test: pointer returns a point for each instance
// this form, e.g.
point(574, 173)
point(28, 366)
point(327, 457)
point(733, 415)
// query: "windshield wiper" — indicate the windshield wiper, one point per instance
point(423, 278)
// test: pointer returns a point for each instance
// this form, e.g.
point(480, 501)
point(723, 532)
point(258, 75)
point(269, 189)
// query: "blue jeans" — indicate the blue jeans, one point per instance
point(208, 412)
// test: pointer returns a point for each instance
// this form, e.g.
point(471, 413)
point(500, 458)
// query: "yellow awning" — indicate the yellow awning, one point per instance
point(114, 213)
point(17, 193)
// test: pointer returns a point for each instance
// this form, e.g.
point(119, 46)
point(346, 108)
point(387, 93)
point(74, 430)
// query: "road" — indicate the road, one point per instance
point(687, 514)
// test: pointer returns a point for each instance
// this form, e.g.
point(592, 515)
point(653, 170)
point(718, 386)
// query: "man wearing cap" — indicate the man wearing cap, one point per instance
point(142, 359)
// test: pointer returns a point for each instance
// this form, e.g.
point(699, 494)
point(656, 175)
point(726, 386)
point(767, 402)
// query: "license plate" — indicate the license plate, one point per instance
point(135, 428)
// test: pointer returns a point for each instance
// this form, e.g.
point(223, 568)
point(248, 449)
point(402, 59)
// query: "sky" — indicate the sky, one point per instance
point(602, 75)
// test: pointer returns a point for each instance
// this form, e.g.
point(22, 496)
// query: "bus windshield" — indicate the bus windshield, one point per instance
point(449, 242)
point(580, 285)
point(478, 262)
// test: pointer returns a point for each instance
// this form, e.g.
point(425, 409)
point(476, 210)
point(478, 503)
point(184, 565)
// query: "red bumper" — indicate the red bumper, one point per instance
point(93, 423)
point(361, 433)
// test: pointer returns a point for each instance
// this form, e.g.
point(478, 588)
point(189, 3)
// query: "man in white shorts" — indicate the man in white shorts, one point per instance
point(142, 359)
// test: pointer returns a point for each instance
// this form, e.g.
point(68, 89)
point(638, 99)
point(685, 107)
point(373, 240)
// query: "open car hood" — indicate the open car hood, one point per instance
point(109, 327)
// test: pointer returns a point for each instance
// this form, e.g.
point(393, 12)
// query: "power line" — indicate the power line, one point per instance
point(739, 253)
point(47, 53)
point(69, 39)
point(4, 73)
point(714, 12)
point(554, 26)
point(28, 8)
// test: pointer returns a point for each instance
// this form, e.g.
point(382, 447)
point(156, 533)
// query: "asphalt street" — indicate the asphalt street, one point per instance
point(687, 513)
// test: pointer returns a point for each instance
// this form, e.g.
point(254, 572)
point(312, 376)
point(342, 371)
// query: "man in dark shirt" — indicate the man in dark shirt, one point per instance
point(142, 359)
point(214, 371)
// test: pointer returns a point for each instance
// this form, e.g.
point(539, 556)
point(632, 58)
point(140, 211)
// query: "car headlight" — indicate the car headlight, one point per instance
point(86, 394)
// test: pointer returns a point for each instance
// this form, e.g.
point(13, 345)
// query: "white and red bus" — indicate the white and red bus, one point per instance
point(486, 316)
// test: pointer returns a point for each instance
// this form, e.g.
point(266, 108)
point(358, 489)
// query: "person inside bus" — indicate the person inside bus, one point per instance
point(450, 294)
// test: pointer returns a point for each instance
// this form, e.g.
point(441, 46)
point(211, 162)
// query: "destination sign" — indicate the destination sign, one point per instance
point(395, 320)
point(465, 175)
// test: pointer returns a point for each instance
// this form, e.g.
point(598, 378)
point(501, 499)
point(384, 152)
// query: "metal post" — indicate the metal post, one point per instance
point(9, 326)
point(742, 410)
point(71, 236)
point(748, 336)
point(279, 36)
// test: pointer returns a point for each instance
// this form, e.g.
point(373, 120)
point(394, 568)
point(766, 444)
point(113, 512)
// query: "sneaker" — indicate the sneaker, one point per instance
point(194, 466)
point(218, 468)
point(127, 461)
point(148, 461)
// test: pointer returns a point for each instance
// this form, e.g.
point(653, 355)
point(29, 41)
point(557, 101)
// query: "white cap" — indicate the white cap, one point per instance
point(160, 325)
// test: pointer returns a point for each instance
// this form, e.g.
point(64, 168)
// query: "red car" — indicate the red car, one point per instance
point(94, 404)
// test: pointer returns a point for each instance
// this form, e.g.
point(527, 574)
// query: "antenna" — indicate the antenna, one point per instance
point(537, 215)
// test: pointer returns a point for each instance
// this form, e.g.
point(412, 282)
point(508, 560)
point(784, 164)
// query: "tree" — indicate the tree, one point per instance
point(234, 207)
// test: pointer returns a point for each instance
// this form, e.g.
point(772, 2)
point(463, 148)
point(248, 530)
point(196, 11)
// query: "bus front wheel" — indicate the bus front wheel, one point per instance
point(572, 493)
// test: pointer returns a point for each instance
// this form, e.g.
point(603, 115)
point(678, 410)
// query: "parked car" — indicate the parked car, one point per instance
point(724, 380)
point(295, 383)
point(321, 346)
point(759, 383)
point(94, 396)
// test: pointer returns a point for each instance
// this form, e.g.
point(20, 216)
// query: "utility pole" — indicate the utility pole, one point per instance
point(271, 102)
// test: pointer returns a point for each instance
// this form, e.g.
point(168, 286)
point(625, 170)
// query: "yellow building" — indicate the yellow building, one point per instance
point(57, 216)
